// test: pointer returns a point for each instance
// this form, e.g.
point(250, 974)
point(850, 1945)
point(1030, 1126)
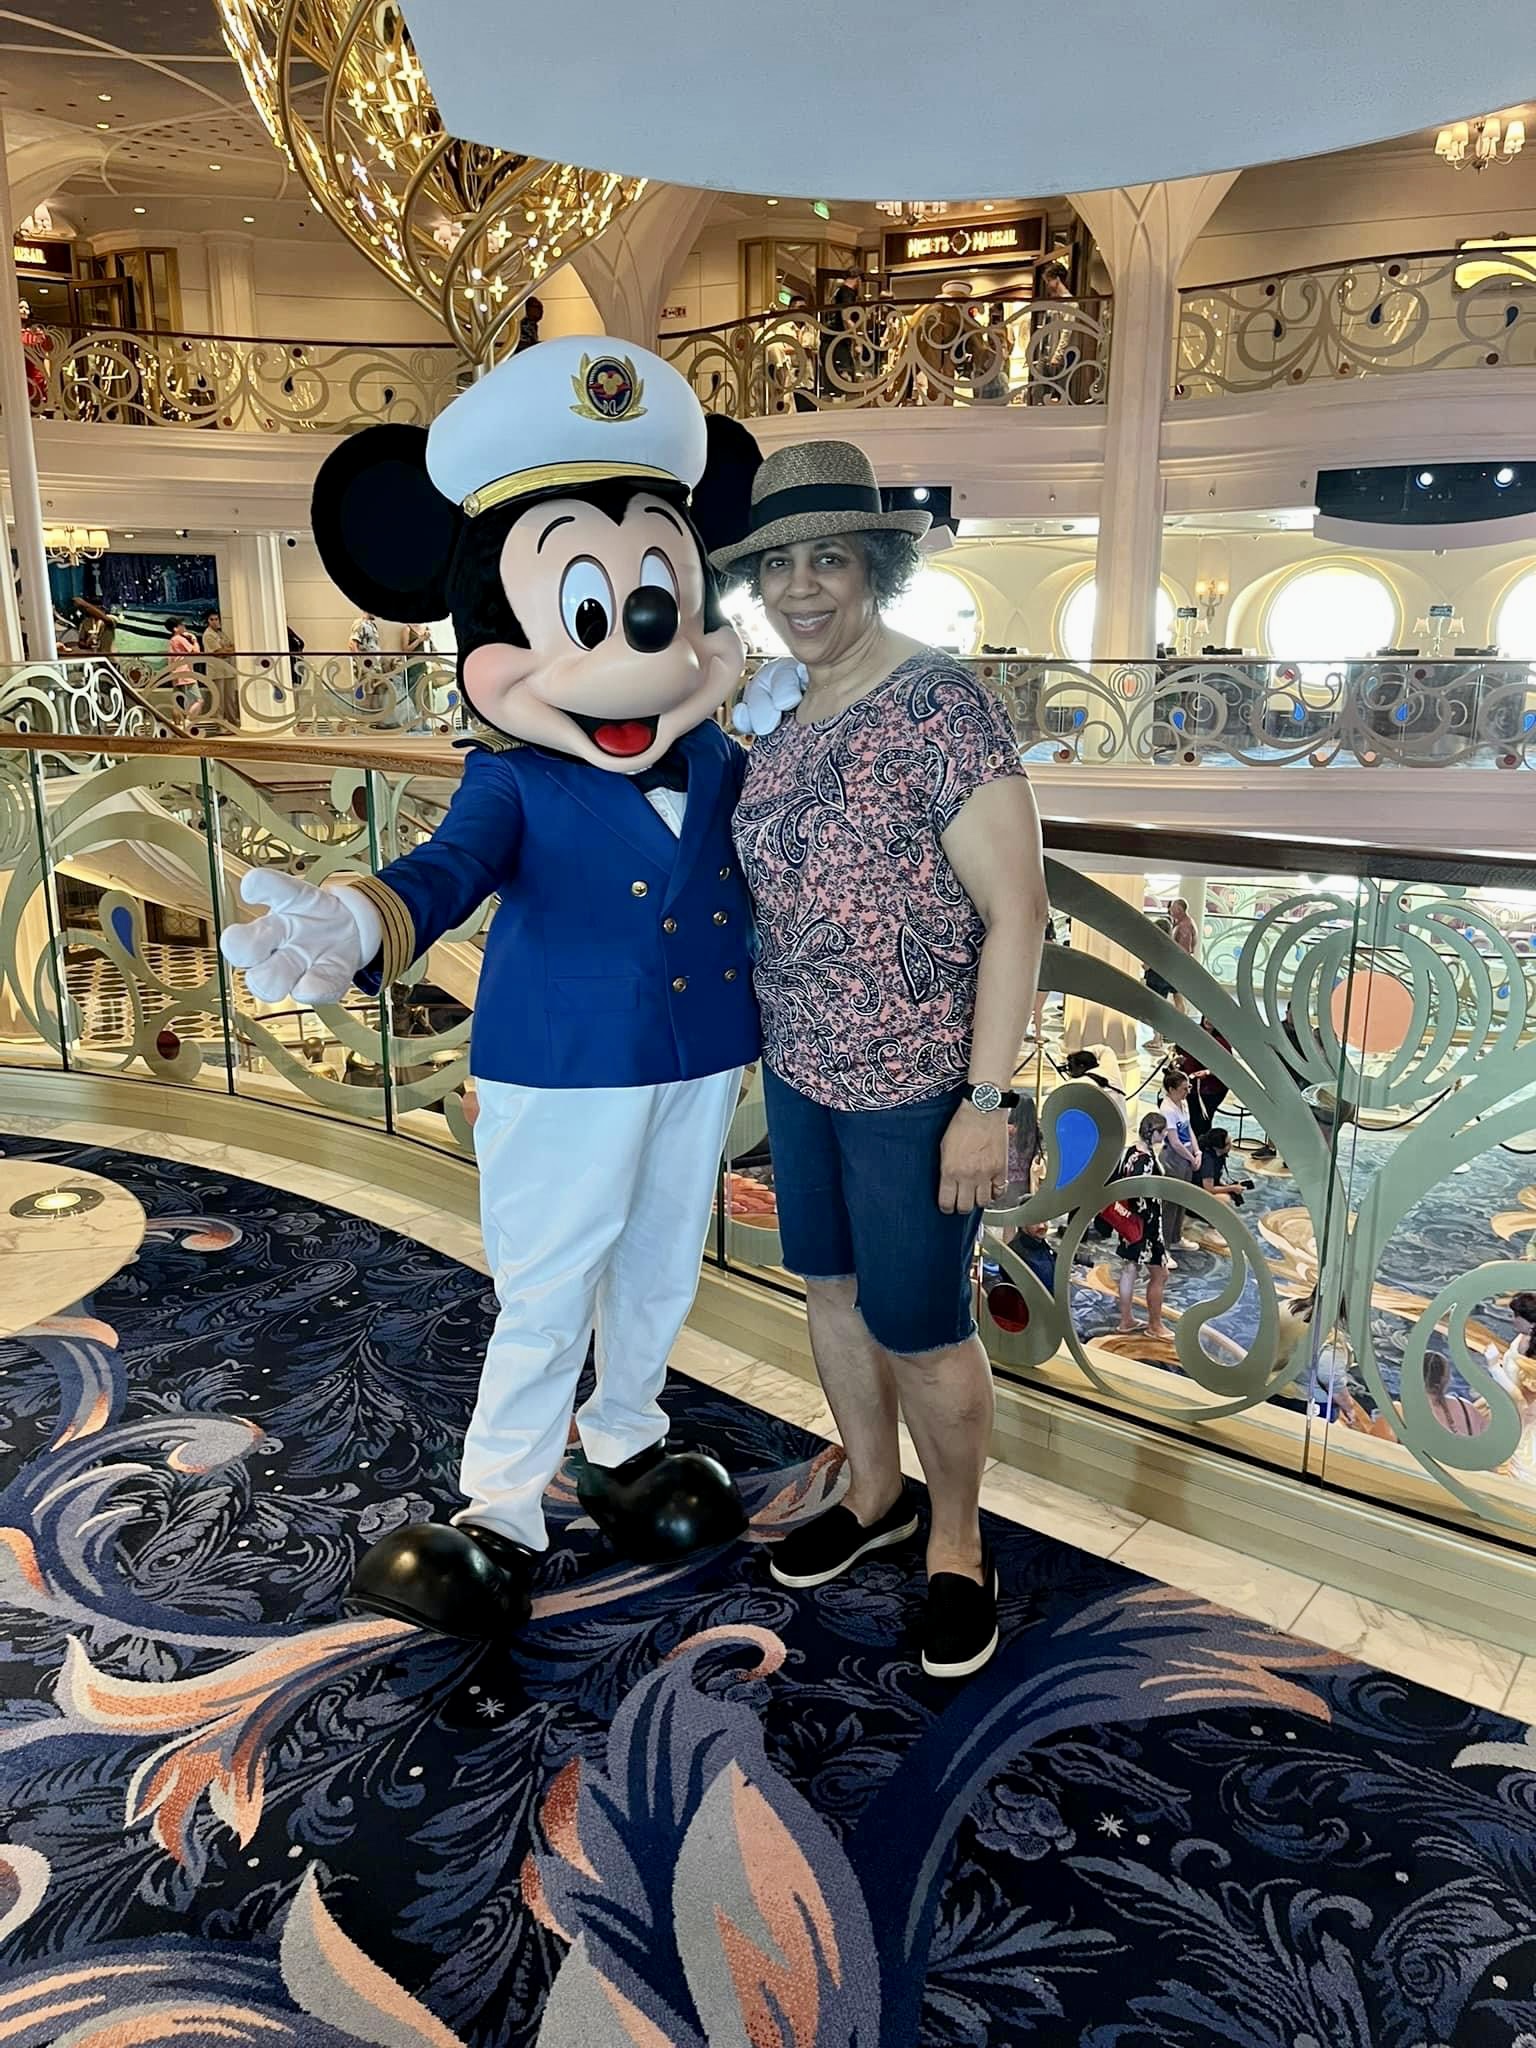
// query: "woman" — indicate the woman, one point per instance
point(1181, 1154)
point(891, 844)
point(1456, 1413)
point(1147, 1249)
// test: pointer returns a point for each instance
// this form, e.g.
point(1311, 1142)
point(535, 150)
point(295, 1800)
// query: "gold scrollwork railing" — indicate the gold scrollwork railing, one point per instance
point(1049, 352)
point(1404, 713)
point(1376, 316)
point(1176, 713)
point(123, 377)
point(252, 695)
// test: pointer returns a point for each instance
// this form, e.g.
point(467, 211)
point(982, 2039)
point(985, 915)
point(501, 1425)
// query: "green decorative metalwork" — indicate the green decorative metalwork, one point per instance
point(1458, 1070)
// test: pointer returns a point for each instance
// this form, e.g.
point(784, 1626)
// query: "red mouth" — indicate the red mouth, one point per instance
point(622, 737)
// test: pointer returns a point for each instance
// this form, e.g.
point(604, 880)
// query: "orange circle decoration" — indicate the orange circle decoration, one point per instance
point(1372, 1011)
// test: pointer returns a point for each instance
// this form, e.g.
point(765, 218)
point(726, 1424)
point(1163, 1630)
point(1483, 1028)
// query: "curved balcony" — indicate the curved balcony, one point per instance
point(891, 353)
point(1176, 713)
point(123, 377)
point(1369, 1039)
point(1440, 309)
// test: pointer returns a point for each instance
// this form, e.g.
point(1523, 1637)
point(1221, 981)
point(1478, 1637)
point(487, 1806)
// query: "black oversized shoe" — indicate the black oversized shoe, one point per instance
point(459, 1580)
point(831, 1545)
point(959, 1625)
point(663, 1503)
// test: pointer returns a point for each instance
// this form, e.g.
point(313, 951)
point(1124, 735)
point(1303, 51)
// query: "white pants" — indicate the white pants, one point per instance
point(594, 1207)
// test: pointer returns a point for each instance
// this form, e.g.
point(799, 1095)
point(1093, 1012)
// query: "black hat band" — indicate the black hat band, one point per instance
point(816, 498)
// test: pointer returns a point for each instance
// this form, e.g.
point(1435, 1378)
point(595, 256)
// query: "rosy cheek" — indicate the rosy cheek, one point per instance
point(493, 671)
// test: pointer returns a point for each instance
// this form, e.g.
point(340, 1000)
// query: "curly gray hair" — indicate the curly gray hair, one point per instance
point(891, 560)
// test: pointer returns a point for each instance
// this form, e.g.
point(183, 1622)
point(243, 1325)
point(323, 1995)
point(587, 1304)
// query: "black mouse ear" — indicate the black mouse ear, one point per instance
point(386, 534)
point(722, 498)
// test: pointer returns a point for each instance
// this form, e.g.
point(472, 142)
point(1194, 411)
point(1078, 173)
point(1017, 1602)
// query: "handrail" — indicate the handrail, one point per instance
point(198, 334)
point(1231, 284)
point(1183, 847)
point(878, 306)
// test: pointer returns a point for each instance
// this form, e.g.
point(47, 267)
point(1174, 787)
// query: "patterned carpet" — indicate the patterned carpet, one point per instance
point(688, 1810)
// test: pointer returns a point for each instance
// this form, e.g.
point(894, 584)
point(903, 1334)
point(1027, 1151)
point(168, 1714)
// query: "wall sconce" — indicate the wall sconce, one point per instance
point(1210, 595)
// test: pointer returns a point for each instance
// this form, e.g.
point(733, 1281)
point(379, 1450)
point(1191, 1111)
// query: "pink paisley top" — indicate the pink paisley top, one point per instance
point(868, 945)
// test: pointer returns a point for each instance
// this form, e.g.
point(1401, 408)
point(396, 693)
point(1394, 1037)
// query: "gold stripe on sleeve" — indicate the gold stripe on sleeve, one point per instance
point(399, 948)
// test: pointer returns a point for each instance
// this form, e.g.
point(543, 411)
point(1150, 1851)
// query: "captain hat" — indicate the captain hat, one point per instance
point(563, 414)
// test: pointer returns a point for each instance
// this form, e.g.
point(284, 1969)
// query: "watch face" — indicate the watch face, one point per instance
point(986, 1098)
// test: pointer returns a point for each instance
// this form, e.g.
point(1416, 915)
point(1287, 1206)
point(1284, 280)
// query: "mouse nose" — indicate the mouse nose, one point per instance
point(650, 619)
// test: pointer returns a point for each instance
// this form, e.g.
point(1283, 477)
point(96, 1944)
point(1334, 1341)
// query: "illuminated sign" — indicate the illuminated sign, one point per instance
point(53, 257)
point(984, 241)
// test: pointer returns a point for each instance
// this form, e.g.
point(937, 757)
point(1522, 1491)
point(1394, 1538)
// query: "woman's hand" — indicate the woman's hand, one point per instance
point(973, 1161)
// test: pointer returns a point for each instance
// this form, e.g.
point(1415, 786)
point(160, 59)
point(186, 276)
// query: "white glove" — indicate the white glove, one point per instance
point(310, 945)
point(777, 687)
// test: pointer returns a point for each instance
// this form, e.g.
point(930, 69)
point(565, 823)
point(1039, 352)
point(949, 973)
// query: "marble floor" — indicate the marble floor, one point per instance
point(1484, 1674)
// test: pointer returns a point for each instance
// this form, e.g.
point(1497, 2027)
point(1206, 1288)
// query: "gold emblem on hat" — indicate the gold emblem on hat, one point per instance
point(608, 388)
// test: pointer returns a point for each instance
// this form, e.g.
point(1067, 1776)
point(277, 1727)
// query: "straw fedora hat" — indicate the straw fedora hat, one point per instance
point(812, 490)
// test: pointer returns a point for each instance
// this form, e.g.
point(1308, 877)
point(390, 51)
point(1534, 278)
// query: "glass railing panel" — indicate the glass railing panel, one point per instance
point(33, 1013)
point(1428, 1398)
point(135, 946)
point(311, 817)
point(1125, 1273)
point(430, 1008)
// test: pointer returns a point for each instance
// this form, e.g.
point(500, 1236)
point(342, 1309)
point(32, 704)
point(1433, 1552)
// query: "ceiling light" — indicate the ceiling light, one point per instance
point(215, 167)
point(920, 495)
point(1424, 479)
point(104, 124)
point(1504, 478)
point(138, 209)
point(1475, 145)
point(248, 218)
point(105, 98)
point(988, 207)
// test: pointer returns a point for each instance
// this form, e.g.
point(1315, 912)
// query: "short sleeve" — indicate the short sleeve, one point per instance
point(969, 726)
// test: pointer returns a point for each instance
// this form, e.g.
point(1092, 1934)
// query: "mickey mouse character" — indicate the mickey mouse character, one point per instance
point(548, 510)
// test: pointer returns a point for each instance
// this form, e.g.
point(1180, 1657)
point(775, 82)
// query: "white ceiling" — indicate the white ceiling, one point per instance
point(997, 97)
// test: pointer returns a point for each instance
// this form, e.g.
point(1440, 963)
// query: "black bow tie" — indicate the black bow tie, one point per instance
point(670, 772)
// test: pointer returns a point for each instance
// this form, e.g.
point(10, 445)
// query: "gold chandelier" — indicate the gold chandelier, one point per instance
point(467, 230)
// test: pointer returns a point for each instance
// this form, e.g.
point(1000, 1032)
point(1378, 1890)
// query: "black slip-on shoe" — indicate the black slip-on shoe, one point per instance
point(826, 1548)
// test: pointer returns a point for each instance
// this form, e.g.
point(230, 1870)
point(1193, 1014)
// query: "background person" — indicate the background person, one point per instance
point(1147, 1248)
point(900, 914)
point(1181, 1155)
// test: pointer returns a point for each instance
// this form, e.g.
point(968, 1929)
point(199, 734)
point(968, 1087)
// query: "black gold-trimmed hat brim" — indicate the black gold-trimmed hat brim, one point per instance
point(800, 526)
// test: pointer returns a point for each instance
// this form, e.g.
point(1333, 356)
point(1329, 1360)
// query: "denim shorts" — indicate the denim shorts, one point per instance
point(858, 1197)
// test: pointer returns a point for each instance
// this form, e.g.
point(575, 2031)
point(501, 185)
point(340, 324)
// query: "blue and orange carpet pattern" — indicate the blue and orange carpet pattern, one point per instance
point(686, 1809)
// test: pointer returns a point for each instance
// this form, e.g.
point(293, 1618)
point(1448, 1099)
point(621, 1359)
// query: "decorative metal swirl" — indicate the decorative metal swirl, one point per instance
point(1055, 352)
point(1272, 714)
point(1171, 714)
point(1376, 317)
point(126, 378)
point(1395, 1003)
point(1404, 1002)
point(467, 231)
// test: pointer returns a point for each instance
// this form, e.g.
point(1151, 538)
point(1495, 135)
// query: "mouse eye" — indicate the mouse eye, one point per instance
point(586, 602)
point(656, 573)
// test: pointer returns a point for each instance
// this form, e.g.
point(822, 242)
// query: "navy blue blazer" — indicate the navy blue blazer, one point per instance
point(619, 955)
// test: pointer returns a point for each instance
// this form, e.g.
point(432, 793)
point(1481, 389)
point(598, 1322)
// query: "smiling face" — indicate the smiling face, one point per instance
point(618, 663)
point(818, 597)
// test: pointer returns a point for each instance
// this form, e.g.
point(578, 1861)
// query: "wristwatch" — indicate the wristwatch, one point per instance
point(986, 1098)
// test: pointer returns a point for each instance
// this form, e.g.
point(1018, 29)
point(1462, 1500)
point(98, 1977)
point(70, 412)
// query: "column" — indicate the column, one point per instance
point(1093, 1024)
point(628, 268)
point(255, 613)
point(21, 459)
point(1144, 233)
point(231, 262)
